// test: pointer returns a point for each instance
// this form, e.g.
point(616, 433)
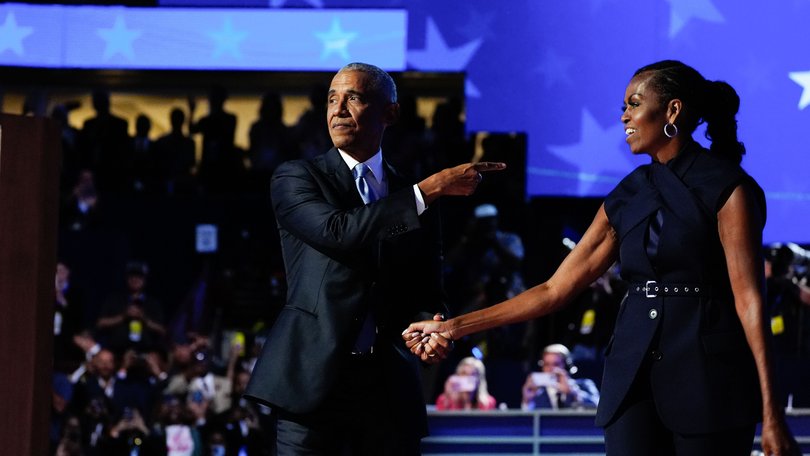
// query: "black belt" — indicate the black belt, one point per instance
point(654, 289)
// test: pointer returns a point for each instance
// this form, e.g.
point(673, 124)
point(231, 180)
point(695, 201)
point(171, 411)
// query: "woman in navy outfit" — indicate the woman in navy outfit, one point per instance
point(688, 370)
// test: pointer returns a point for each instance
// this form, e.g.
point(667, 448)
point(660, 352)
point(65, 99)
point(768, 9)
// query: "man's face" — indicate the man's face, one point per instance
point(356, 116)
point(136, 282)
point(104, 363)
point(553, 362)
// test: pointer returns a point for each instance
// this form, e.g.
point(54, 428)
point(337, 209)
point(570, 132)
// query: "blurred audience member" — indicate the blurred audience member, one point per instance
point(311, 132)
point(788, 298)
point(80, 209)
point(175, 157)
point(142, 169)
point(104, 143)
point(203, 389)
point(271, 142)
point(62, 393)
point(132, 319)
point(97, 388)
point(71, 162)
point(788, 304)
point(448, 133)
point(484, 268)
point(129, 435)
point(174, 429)
point(554, 388)
point(70, 443)
point(68, 315)
point(467, 388)
point(405, 143)
point(220, 160)
point(590, 319)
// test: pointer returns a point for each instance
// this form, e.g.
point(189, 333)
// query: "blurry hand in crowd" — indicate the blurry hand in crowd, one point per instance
point(529, 390)
point(154, 363)
point(61, 281)
point(134, 311)
point(84, 341)
point(192, 105)
point(197, 404)
point(130, 421)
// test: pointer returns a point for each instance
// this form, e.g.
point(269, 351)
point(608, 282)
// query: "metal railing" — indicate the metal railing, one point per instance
point(540, 432)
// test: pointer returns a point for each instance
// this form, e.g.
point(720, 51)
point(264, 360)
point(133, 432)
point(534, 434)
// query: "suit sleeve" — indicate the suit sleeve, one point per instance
point(309, 205)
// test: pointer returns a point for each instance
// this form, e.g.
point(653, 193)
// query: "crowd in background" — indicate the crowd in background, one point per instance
point(157, 324)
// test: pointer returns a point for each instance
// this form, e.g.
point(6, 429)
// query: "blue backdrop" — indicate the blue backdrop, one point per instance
point(555, 70)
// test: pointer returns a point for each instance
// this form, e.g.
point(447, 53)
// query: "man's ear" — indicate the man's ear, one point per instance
point(674, 110)
point(391, 114)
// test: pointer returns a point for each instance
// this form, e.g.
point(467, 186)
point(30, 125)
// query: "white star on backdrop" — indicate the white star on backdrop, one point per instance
point(682, 11)
point(595, 140)
point(554, 68)
point(119, 39)
point(227, 40)
point(11, 35)
point(335, 40)
point(438, 56)
point(803, 79)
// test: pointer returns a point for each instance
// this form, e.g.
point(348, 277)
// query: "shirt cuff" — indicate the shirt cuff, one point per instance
point(420, 200)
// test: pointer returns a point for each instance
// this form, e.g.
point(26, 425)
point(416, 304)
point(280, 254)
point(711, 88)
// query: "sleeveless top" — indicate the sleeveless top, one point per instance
point(701, 370)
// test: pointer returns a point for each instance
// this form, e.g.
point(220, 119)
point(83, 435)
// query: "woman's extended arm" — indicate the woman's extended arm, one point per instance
point(740, 229)
point(594, 254)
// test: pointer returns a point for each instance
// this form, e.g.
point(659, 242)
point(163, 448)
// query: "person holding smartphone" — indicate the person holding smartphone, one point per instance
point(553, 387)
point(467, 388)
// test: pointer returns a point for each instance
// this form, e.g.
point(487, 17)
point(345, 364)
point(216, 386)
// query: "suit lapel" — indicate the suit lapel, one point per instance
point(342, 177)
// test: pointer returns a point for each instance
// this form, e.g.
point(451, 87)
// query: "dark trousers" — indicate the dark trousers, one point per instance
point(637, 430)
point(352, 421)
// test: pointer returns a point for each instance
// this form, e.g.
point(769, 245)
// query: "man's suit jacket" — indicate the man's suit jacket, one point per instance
point(344, 259)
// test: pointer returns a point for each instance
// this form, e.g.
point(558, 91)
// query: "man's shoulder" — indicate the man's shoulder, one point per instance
point(321, 163)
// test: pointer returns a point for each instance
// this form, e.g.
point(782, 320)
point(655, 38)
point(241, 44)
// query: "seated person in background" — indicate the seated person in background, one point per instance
point(553, 388)
point(467, 388)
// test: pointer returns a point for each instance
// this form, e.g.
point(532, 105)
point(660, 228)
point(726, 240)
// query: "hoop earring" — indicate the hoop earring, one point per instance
point(666, 131)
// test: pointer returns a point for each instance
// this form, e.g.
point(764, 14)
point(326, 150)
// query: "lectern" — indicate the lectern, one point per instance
point(29, 159)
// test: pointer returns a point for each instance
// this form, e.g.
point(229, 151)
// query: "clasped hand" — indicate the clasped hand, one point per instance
point(429, 339)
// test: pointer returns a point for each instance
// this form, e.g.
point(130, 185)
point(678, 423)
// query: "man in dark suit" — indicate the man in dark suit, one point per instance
point(362, 253)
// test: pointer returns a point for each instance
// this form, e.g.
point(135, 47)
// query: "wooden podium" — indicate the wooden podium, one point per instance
point(29, 157)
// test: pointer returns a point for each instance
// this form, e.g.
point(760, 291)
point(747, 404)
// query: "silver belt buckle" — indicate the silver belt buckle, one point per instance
point(648, 289)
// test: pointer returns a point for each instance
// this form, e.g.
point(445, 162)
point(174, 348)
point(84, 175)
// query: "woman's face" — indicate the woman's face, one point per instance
point(643, 116)
point(467, 369)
